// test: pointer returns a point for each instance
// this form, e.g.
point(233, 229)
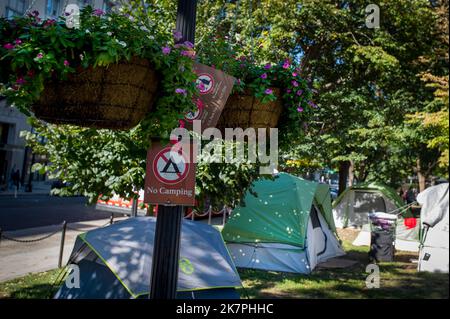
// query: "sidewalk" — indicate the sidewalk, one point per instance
point(38, 188)
point(19, 259)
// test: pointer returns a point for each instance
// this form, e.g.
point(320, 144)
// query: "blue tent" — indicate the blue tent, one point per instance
point(115, 262)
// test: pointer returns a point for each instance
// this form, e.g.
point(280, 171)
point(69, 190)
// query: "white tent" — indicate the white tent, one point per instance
point(352, 208)
point(435, 236)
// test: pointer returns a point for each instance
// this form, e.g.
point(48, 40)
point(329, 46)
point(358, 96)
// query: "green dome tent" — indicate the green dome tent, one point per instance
point(352, 208)
point(115, 262)
point(288, 227)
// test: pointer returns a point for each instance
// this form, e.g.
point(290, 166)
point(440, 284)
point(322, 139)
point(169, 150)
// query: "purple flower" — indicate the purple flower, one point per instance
point(299, 109)
point(286, 64)
point(299, 92)
point(312, 104)
point(166, 50)
point(8, 46)
point(264, 76)
point(35, 13)
point(181, 91)
point(267, 66)
point(268, 91)
point(288, 91)
point(18, 41)
point(188, 44)
point(238, 81)
point(294, 83)
point(66, 63)
point(177, 35)
point(98, 12)
point(39, 56)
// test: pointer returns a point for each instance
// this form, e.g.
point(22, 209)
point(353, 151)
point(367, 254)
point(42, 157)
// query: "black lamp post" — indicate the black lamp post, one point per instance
point(163, 284)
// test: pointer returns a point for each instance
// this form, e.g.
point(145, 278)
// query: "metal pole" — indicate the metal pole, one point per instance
point(163, 284)
point(224, 219)
point(111, 219)
point(209, 214)
point(134, 207)
point(61, 247)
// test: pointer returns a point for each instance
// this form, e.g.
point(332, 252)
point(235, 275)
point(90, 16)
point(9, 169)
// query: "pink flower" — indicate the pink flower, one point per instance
point(288, 91)
point(182, 123)
point(18, 41)
point(181, 91)
point(98, 12)
point(268, 91)
point(166, 50)
point(264, 76)
point(201, 86)
point(286, 64)
point(66, 63)
point(267, 66)
point(299, 92)
point(20, 81)
point(299, 109)
point(294, 74)
point(189, 54)
point(294, 83)
point(9, 46)
point(39, 56)
point(49, 23)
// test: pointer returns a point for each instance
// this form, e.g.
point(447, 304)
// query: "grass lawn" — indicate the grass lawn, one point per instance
point(398, 280)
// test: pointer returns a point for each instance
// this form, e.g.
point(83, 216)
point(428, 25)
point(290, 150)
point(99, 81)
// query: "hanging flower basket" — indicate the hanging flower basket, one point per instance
point(115, 97)
point(244, 110)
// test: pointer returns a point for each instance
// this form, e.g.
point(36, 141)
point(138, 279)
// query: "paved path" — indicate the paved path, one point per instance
point(19, 259)
point(41, 210)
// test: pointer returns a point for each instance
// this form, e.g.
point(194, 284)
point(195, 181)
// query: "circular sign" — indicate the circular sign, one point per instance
point(186, 266)
point(170, 167)
point(205, 83)
point(195, 115)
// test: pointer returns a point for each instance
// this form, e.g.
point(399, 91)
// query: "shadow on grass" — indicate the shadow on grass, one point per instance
point(37, 291)
point(398, 279)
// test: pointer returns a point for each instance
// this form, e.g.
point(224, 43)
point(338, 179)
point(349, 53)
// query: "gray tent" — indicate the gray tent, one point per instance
point(115, 262)
point(434, 243)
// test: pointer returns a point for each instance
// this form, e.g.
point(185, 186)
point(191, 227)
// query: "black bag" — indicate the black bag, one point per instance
point(382, 246)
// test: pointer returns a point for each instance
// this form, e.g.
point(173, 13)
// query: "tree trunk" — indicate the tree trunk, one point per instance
point(351, 173)
point(421, 176)
point(343, 175)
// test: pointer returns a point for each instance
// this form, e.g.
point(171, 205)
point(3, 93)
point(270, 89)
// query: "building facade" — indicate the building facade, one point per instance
point(14, 155)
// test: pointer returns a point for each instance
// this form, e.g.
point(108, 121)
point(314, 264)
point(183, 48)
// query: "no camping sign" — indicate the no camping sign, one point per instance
point(170, 176)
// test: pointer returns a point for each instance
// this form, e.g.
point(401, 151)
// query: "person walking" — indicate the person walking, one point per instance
point(16, 179)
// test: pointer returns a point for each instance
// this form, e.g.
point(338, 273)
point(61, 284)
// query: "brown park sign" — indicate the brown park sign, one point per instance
point(170, 176)
point(215, 87)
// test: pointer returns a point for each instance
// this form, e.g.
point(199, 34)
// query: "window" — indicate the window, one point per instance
point(15, 8)
point(53, 8)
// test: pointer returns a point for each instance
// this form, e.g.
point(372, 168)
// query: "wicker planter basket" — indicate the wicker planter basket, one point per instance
point(244, 110)
point(113, 97)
